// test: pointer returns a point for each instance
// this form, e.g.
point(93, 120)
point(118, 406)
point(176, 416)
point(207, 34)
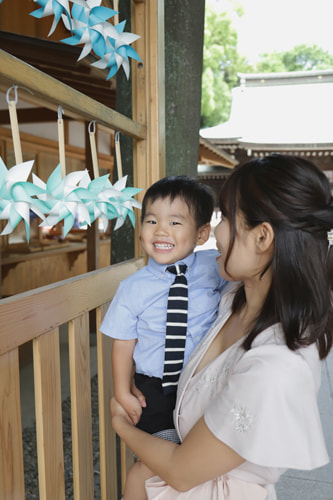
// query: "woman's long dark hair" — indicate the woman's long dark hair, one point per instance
point(294, 196)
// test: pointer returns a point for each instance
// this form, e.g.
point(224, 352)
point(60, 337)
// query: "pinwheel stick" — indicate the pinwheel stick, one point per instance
point(61, 139)
point(118, 155)
point(115, 7)
point(93, 148)
point(14, 125)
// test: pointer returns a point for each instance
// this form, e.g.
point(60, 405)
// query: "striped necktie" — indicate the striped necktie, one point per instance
point(176, 329)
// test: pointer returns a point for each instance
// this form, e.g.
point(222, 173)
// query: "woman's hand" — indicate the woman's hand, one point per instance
point(119, 414)
point(132, 406)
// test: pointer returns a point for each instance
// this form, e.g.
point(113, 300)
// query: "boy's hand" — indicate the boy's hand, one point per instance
point(132, 406)
point(138, 394)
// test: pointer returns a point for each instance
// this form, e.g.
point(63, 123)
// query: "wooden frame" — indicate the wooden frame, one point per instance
point(37, 315)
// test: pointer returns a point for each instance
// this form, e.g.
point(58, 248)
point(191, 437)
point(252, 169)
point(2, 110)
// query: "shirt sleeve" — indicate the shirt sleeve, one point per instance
point(268, 412)
point(120, 320)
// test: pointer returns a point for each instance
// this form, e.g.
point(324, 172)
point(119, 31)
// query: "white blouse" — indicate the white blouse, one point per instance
point(262, 403)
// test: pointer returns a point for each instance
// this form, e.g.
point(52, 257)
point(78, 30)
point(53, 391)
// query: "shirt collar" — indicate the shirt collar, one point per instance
point(159, 269)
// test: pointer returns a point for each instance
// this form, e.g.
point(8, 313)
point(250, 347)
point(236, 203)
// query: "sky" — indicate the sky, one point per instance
point(269, 25)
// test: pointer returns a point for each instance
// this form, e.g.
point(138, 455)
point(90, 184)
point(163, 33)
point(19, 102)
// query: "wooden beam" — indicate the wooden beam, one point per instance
point(52, 92)
point(45, 308)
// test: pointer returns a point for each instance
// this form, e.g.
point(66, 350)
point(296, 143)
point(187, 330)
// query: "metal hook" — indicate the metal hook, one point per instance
point(60, 112)
point(15, 94)
point(15, 87)
point(330, 238)
point(92, 127)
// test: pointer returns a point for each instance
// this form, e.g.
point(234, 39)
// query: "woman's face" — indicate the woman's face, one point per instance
point(244, 261)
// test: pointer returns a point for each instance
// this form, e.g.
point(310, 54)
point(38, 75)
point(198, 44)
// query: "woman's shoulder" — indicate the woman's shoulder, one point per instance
point(272, 360)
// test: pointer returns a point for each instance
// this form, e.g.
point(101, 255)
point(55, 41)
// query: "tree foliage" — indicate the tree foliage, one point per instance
point(300, 58)
point(221, 63)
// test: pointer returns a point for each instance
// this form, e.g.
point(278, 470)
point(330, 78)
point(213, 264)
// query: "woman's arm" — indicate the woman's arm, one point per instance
point(199, 458)
point(122, 369)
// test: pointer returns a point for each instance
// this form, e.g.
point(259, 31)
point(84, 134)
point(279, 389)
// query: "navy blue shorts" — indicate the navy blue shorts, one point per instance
point(158, 415)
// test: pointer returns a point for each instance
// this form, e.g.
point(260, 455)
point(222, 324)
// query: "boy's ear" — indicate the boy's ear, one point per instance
point(265, 237)
point(203, 234)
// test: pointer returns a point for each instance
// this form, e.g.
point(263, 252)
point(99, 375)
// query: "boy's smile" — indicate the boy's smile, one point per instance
point(169, 231)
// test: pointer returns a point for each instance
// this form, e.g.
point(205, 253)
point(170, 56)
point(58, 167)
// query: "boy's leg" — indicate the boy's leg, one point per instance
point(135, 482)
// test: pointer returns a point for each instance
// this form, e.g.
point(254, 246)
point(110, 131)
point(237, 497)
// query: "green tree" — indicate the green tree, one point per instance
point(300, 58)
point(221, 63)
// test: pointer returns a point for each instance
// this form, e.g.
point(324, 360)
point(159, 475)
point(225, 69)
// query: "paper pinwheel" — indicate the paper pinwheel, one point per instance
point(58, 8)
point(117, 50)
point(86, 26)
point(61, 197)
point(116, 201)
point(78, 196)
point(87, 22)
point(16, 196)
point(107, 201)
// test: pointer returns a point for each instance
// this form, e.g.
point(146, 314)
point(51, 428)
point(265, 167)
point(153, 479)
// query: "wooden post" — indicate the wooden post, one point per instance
point(148, 95)
point(48, 415)
point(79, 356)
point(11, 450)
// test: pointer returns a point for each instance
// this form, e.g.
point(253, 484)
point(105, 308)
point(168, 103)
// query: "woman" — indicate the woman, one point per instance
point(246, 405)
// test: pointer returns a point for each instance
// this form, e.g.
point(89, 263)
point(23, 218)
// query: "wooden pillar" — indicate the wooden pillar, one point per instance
point(148, 95)
point(184, 37)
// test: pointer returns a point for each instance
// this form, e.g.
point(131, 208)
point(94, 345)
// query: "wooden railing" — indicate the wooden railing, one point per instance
point(36, 316)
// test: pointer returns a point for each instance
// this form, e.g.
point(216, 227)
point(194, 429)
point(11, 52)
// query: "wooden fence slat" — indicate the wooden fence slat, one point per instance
point(46, 354)
point(107, 437)
point(79, 356)
point(11, 452)
point(126, 462)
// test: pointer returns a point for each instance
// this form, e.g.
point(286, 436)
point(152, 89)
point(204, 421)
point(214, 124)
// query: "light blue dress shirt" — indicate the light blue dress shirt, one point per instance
point(139, 308)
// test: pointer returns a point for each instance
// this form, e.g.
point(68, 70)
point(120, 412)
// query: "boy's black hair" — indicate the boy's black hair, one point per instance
point(197, 196)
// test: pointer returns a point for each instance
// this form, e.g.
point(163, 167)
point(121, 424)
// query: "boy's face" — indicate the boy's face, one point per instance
point(169, 231)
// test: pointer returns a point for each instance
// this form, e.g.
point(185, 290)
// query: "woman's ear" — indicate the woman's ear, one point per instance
point(265, 237)
point(203, 234)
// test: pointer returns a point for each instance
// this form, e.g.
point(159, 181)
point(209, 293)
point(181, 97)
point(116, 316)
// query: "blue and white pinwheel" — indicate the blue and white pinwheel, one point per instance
point(86, 25)
point(58, 8)
point(17, 196)
point(78, 196)
point(108, 201)
point(62, 198)
point(116, 201)
point(117, 50)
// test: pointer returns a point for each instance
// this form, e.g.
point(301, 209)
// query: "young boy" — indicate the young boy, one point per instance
point(176, 214)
